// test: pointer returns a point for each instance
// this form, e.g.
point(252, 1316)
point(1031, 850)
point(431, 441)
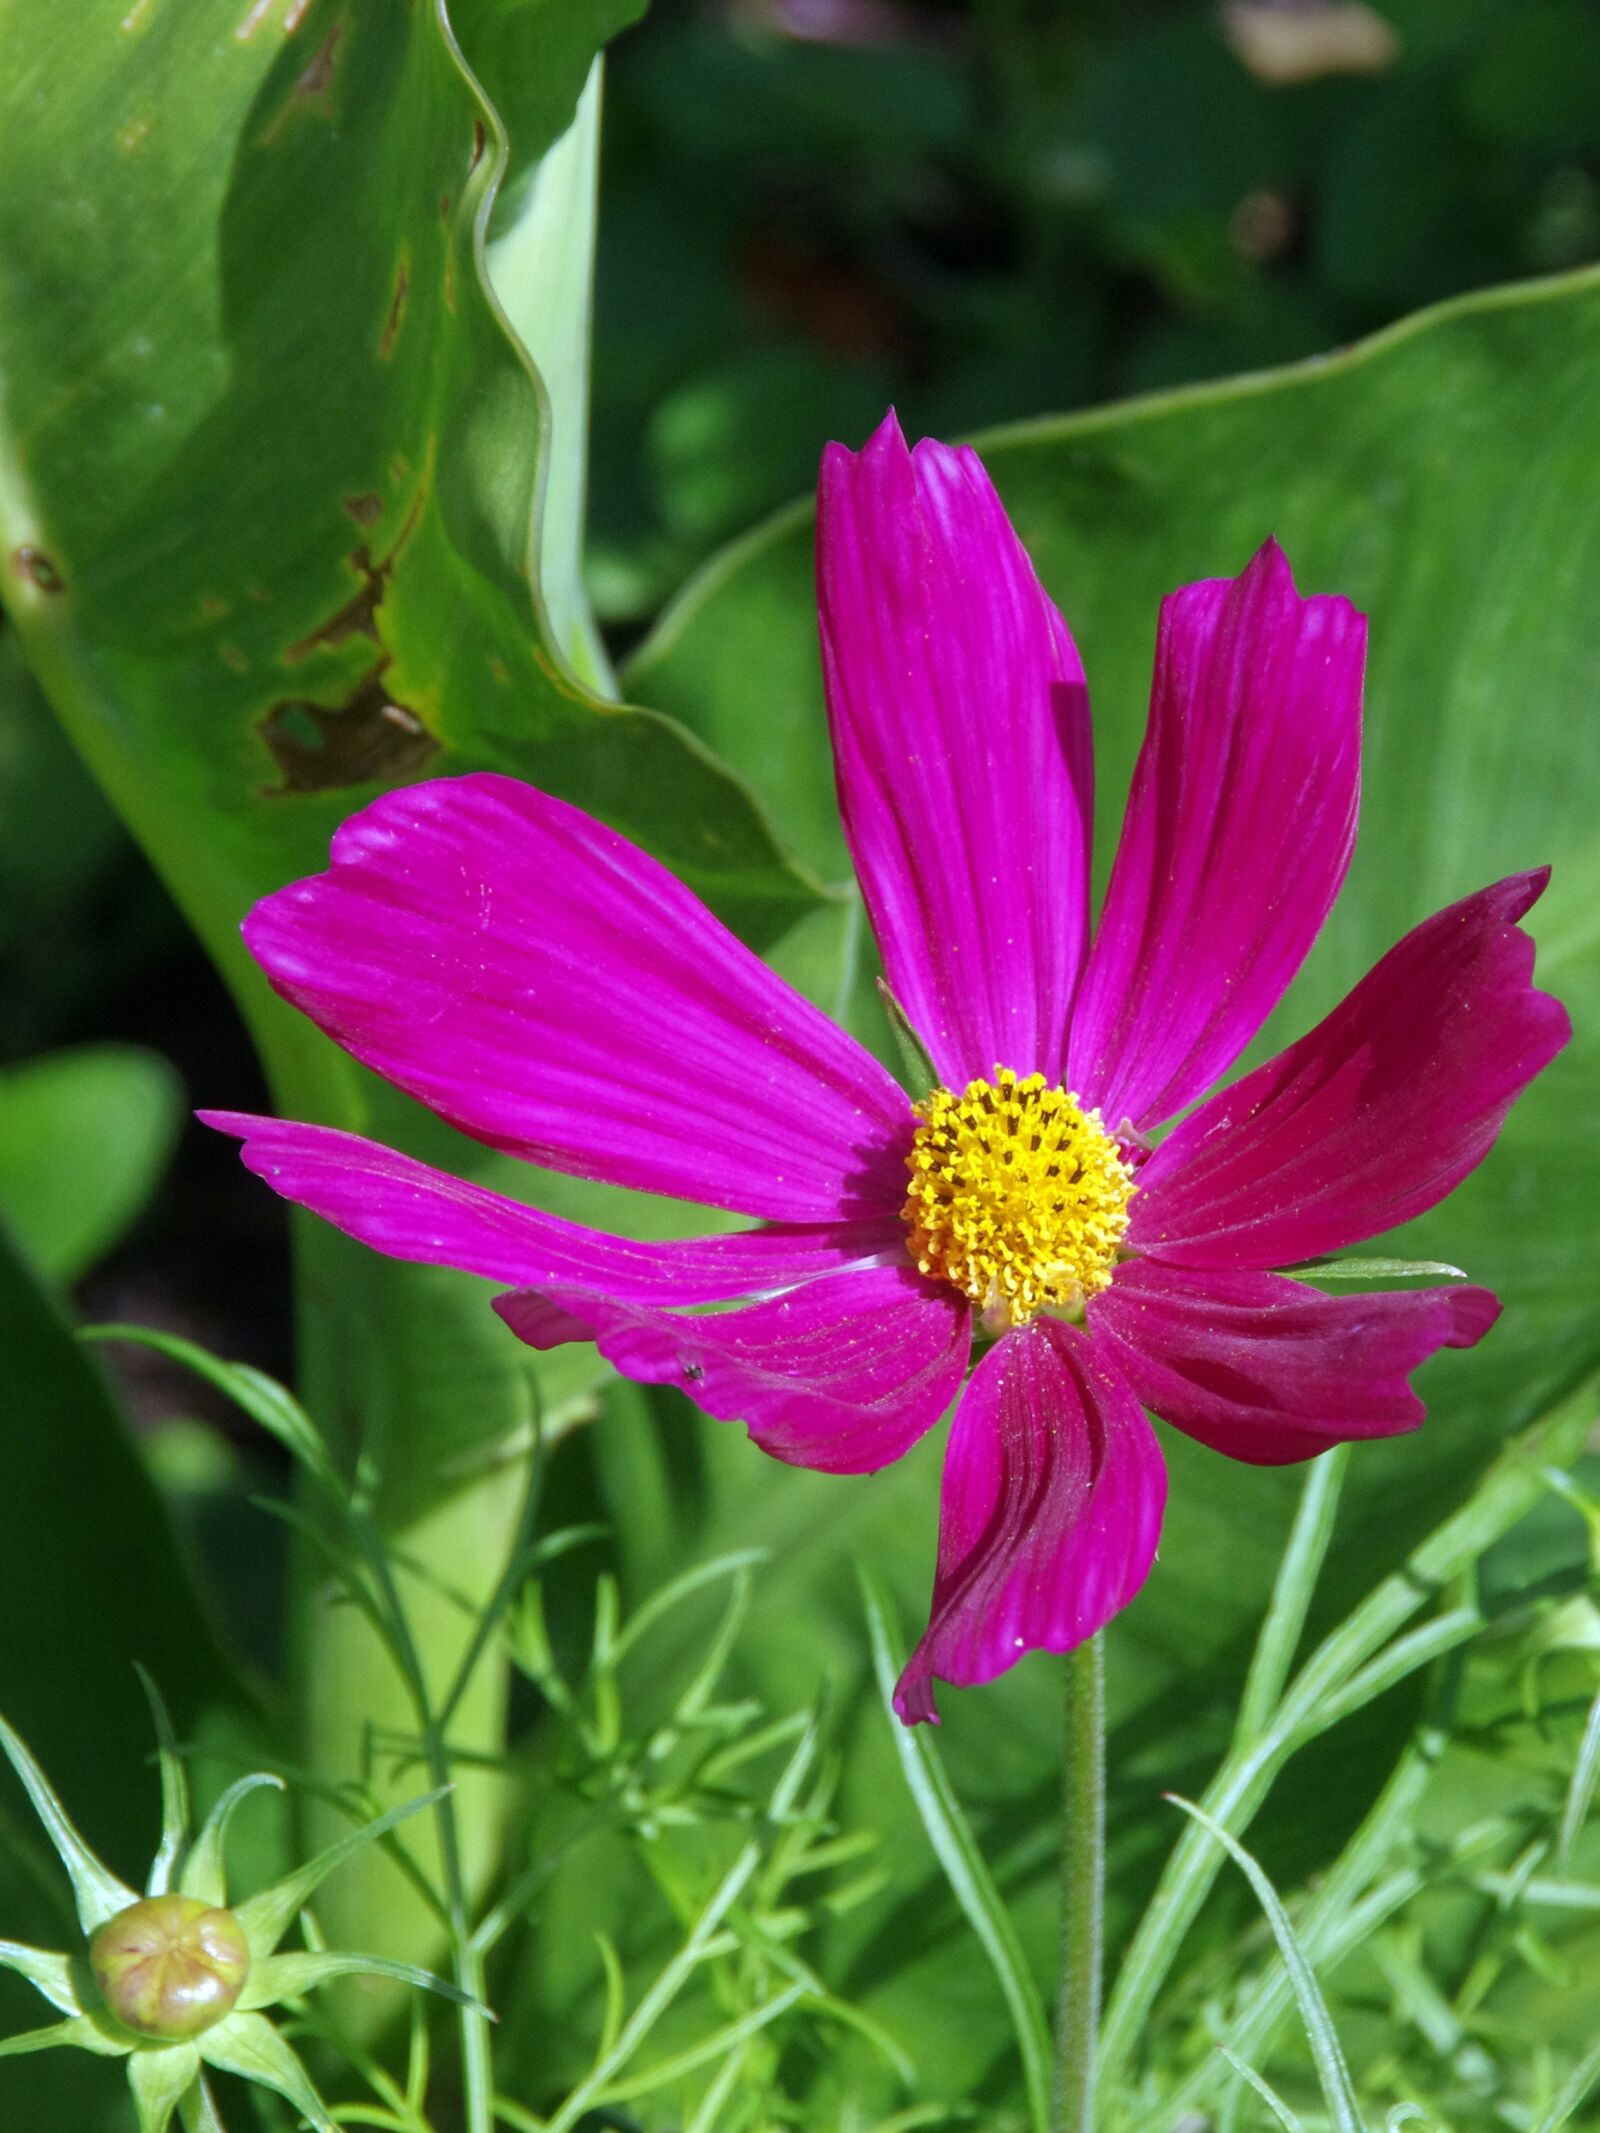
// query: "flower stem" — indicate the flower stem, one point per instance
point(1083, 1835)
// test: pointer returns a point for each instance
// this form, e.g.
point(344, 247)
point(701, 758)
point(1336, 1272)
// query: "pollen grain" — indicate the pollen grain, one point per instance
point(1019, 1196)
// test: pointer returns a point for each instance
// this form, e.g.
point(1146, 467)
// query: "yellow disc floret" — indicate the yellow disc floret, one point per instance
point(1019, 1196)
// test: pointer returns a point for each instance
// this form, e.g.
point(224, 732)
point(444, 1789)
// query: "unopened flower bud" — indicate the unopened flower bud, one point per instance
point(170, 1966)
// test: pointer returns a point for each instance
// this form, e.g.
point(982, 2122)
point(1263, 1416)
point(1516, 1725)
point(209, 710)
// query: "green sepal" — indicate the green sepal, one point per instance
point(920, 1074)
point(203, 1874)
point(50, 1973)
point(174, 1792)
point(159, 2077)
point(98, 1893)
point(198, 2110)
point(84, 2033)
point(1376, 1270)
point(249, 2046)
point(267, 1916)
point(291, 1976)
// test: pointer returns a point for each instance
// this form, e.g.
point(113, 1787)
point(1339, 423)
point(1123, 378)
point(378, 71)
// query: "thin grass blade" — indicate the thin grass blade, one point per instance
point(951, 1836)
point(1332, 2072)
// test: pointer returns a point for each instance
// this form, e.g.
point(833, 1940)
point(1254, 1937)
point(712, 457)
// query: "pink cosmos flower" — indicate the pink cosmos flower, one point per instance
point(552, 991)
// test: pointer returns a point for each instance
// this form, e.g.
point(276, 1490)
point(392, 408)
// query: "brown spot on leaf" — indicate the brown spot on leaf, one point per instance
point(369, 736)
point(213, 606)
point(366, 509)
point(397, 310)
point(233, 658)
point(450, 281)
point(318, 73)
point(34, 565)
point(444, 207)
point(358, 615)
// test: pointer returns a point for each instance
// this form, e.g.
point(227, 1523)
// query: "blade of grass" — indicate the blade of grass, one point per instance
point(1573, 2092)
point(1511, 1488)
point(1285, 1619)
point(951, 1836)
point(1580, 1792)
point(1332, 2072)
point(1269, 2096)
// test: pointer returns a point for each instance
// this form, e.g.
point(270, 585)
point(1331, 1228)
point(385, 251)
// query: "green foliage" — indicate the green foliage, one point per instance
point(1432, 475)
point(84, 1137)
point(165, 2067)
point(91, 1578)
point(286, 516)
point(988, 213)
point(269, 520)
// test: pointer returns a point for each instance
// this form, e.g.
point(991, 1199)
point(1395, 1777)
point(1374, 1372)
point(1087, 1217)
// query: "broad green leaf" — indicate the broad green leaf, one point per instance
point(290, 196)
point(58, 839)
point(269, 468)
point(84, 1137)
point(91, 1581)
point(1438, 475)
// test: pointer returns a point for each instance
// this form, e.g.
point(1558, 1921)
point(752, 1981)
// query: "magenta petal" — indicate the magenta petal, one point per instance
point(410, 1211)
point(1268, 1370)
point(1054, 1486)
point(1239, 828)
point(961, 740)
point(1376, 1114)
point(551, 990)
point(843, 1374)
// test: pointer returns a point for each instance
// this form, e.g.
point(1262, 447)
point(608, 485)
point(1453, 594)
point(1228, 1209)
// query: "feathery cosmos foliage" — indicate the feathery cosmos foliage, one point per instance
point(551, 990)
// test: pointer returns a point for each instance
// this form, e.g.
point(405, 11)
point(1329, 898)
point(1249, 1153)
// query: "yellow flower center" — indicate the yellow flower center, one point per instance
point(1019, 1196)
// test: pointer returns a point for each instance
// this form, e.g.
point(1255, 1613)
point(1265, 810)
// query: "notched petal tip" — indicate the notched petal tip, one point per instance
point(1239, 829)
point(1473, 1313)
point(914, 1703)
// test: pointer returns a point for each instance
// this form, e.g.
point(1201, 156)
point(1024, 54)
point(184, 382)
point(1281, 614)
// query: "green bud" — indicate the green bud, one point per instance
point(170, 1966)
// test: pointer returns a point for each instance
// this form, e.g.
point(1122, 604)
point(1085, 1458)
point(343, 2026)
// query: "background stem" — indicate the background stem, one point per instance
point(1083, 1835)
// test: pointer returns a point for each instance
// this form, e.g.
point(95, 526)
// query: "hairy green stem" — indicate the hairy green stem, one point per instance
point(1083, 1844)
